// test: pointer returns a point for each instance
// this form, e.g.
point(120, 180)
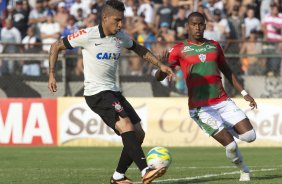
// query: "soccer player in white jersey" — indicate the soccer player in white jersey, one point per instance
point(102, 46)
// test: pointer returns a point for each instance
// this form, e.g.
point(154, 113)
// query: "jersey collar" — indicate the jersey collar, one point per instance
point(102, 34)
point(190, 42)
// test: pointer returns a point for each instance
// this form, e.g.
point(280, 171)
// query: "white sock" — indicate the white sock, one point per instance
point(240, 164)
point(143, 172)
point(118, 175)
point(243, 167)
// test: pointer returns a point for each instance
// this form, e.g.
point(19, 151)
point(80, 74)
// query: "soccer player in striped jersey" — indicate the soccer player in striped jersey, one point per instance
point(102, 46)
point(201, 61)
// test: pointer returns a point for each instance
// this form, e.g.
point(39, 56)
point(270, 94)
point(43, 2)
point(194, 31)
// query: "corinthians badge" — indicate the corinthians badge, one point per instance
point(117, 106)
point(202, 57)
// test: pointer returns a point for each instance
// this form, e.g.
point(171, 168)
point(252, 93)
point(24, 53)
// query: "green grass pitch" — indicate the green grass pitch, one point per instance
point(95, 165)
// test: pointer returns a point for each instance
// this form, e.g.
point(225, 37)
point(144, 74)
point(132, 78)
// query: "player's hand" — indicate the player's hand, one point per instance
point(167, 70)
point(250, 99)
point(52, 85)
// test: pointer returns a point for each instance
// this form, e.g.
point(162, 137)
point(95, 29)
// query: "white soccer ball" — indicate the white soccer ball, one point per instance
point(159, 157)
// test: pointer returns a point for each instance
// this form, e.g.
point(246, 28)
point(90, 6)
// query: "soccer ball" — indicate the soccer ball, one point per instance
point(159, 157)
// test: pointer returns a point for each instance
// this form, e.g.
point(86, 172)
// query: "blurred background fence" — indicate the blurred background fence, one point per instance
point(25, 74)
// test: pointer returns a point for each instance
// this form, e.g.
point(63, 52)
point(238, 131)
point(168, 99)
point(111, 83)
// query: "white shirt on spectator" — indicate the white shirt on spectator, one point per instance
point(49, 29)
point(28, 40)
point(222, 27)
point(84, 6)
point(12, 35)
point(251, 24)
point(128, 11)
point(212, 35)
point(148, 11)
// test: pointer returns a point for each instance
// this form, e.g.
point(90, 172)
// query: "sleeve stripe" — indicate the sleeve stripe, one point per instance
point(67, 43)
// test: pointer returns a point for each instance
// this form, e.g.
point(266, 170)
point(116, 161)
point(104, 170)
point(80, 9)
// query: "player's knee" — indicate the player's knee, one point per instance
point(231, 147)
point(248, 136)
point(231, 152)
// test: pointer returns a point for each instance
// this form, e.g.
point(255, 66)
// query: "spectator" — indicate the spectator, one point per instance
point(31, 45)
point(212, 5)
point(180, 22)
point(221, 26)
point(135, 65)
point(265, 8)
point(61, 15)
point(80, 18)
point(91, 19)
point(97, 8)
point(250, 23)
point(69, 3)
point(50, 32)
point(74, 67)
point(129, 4)
point(252, 65)
point(166, 33)
point(272, 28)
point(74, 10)
point(134, 23)
point(179, 81)
point(165, 13)
point(20, 18)
point(146, 10)
point(210, 33)
point(146, 36)
point(38, 16)
point(235, 23)
point(10, 37)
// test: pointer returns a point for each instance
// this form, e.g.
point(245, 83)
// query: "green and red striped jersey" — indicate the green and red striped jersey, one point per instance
point(199, 64)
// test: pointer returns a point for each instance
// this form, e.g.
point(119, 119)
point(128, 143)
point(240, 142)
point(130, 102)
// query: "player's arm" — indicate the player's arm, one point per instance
point(71, 41)
point(53, 56)
point(232, 78)
point(159, 75)
point(144, 53)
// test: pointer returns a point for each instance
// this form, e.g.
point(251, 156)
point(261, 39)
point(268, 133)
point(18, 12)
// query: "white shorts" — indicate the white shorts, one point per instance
point(215, 117)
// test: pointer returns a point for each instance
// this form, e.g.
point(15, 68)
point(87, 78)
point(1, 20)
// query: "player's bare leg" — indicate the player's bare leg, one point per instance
point(225, 138)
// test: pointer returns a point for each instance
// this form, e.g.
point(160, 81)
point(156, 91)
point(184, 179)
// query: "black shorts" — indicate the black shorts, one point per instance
point(109, 105)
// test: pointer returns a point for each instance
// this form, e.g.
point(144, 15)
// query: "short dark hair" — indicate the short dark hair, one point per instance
point(115, 4)
point(196, 14)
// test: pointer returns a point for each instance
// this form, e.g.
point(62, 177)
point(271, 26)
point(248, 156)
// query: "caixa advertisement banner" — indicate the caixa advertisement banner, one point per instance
point(31, 122)
point(166, 122)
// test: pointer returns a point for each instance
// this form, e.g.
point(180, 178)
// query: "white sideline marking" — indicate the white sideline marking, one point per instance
point(207, 176)
point(216, 167)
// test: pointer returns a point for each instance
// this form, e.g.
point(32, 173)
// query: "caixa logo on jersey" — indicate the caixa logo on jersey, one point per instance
point(78, 122)
point(108, 56)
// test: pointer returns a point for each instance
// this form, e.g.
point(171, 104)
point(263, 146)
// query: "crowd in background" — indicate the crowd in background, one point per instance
point(242, 27)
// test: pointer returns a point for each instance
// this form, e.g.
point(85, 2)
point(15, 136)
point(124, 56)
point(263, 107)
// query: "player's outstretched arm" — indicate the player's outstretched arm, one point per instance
point(232, 78)
point(159, 75)
point(53, 56)
point(149, 56)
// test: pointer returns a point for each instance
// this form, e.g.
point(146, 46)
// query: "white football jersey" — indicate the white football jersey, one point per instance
point(100, 57)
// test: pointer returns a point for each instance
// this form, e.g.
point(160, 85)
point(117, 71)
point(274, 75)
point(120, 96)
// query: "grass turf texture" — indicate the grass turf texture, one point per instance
point(95, 165)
